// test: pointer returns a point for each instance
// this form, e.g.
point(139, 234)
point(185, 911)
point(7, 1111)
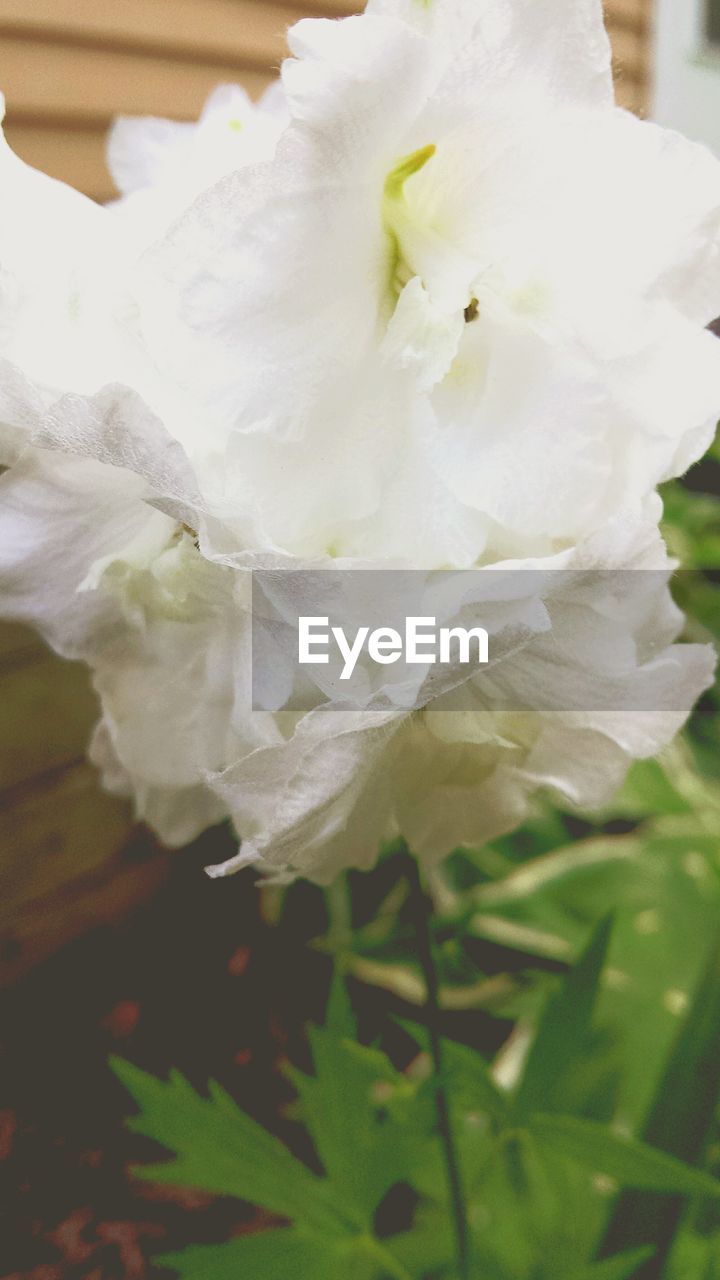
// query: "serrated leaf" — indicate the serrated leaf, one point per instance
point(267, 1255)
point(365, 1142)
point(220, 1149)
point(565, 1027)
point(631, 1163)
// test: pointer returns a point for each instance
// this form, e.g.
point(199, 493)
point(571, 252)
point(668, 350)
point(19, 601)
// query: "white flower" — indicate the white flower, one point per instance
point(160, 166)
point(69, 318)
point(596, 685)
point(454, 316)
point(85, 559)
point(466, 270)
point(81, 547)
point(58, 259)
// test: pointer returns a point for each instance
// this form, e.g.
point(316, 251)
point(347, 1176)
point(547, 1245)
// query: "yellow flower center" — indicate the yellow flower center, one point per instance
point(400, 220)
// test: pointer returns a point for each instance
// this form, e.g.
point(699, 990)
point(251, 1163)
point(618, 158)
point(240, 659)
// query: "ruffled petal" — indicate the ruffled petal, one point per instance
point(58, 516)
point(569, 710)
point(177, 814)
point(565, 48)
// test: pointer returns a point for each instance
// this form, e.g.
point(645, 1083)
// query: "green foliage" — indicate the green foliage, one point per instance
point(632, 1163)
point(373, 1128)
point(220, 1149)
point(356, 1108)
point(551, 1136)
point(621, 1267)
point(587, 947)
point(681, 1115)
point(567, 1023)
point(268, 1253)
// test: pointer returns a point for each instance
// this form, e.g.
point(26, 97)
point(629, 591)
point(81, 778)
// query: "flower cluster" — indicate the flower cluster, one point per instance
point(433, 303)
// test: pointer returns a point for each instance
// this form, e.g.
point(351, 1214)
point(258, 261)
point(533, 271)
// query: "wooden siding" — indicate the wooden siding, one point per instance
point(69, 860)
point(68, 66)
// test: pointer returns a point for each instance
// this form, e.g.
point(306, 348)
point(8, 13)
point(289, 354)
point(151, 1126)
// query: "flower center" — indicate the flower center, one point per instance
point(421, 244)
point(402, 221)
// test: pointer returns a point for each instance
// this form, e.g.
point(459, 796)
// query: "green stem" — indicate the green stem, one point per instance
point(340, 932)
point(422, 913)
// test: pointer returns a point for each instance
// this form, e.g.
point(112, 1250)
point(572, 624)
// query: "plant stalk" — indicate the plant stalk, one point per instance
point(422, 913)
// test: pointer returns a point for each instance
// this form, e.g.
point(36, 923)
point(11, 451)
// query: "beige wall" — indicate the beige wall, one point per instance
point(67, 66)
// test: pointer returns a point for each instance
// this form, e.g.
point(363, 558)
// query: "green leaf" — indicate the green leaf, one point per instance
point(264, 1256)
point(631, 1163)
point(649, 791)
point(681, 1116)
point(663, 888)
point(694, 1256)
point(622, 1267)
point(550, 906)
point(538, 1213)
point(339, 1016)
point(564, 1030)
point(220, 1149)
point(429, 1247)
point(349, 1107)
point(468, 1079)
point(544, 832)
point(692, 524)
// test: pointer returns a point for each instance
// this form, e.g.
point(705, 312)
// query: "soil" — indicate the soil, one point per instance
point(195, 979)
